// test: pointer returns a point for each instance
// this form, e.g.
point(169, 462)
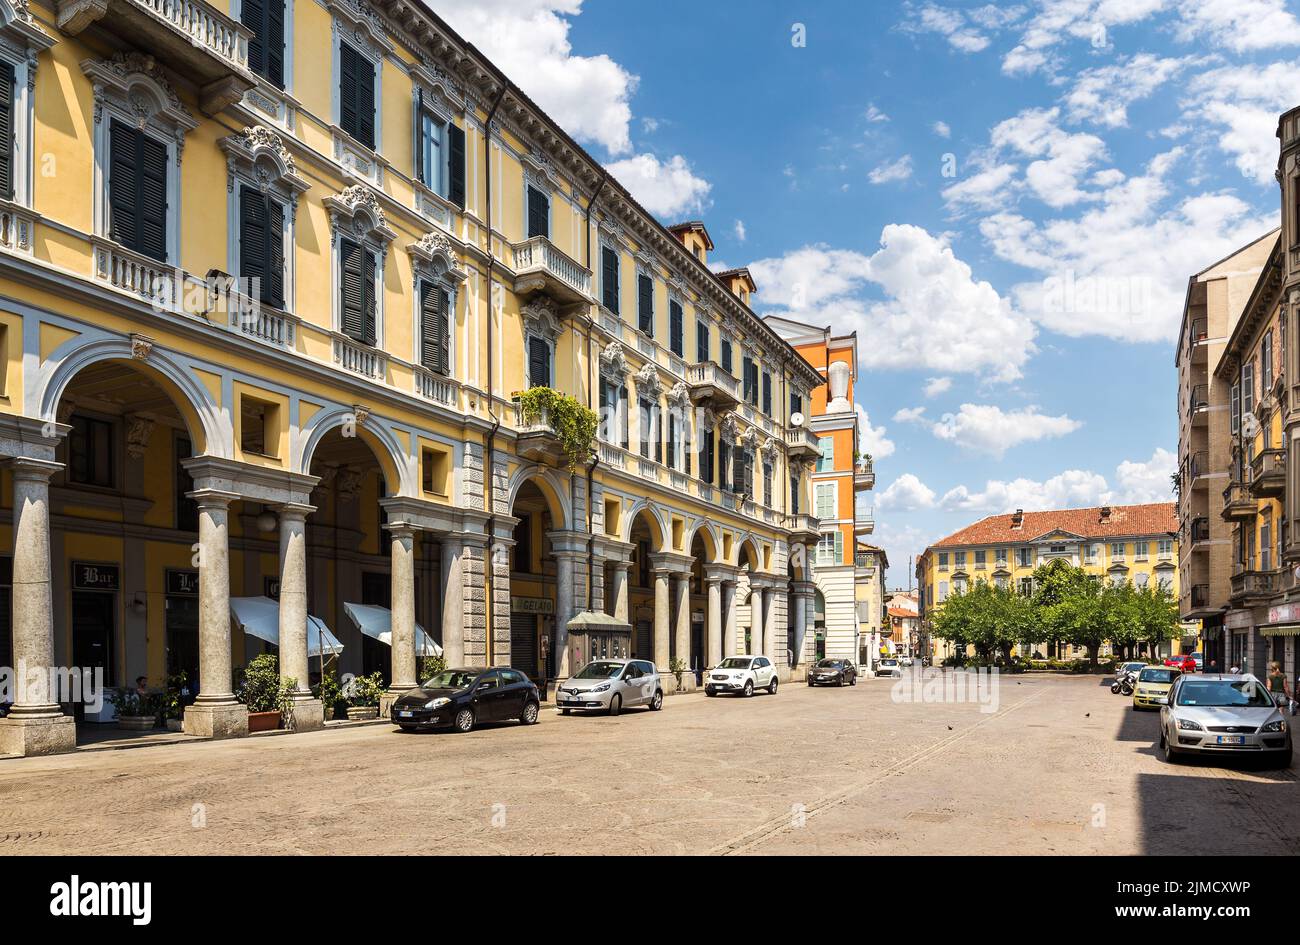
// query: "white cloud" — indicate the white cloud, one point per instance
point(1062, 158)
point(900, 169)
point(941, 129)
point(919, 275)
point(872, 440)
point(937, 385)
point(907, 493)
point(874, 114)
point(965, 30)
point(1102, 95)
point(1242, 103)
point(1139, 482)
point(984, 190)
point(529, 39)
point(1057, 21)
point(909, 415)
point(665, 189)
point(987, 428)
point(738, 228)
point(1072, 488)
point(1240, 25)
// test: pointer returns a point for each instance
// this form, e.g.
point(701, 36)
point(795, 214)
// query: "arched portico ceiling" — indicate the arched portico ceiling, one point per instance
point(702, 530)
point(357, 421)
point(643, 510)
point(556, 494)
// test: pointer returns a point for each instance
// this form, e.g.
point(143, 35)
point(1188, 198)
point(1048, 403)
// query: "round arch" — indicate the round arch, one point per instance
point(702, 530)
point(797, 562)
point(209, 430)
point(659, 531)
point(555, 494)
point(753, 556)
point(382, 441)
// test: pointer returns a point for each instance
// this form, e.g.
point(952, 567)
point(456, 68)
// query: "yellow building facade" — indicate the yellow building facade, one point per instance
point(272, 278)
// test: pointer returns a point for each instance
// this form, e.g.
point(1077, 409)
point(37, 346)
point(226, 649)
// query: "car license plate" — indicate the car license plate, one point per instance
point(1232, 739)
point(404, 714)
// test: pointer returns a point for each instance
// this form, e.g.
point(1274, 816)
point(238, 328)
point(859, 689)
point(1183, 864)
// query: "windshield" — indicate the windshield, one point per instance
point(829, 664)
point(452, 679)
point(734, 662)
point(1133, 667)
point(1224, 692)
point(889, 662)
point(1157, 674)
point(600, 669)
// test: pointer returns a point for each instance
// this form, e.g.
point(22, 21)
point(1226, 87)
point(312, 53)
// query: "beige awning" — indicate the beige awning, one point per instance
point(1281, 630)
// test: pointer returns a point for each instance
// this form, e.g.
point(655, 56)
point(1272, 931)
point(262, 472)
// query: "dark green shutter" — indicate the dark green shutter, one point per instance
point(609, 278)
point(456, 164)
point(539, 363)
point(253, 262)
point(357, 95)
point(7, 144)
point(273, 294)
point(767, 392)
point(645, 304)
point(348, 89)
point(539, 213)
point(435, 337)
point(252, 13)
point(274, 42)
point(369, 267)
point(622, 416)
point(153, 198)
point(701, 342)
point(122, 184)
point(352, 300)
point(706, 457)
point(137, 191)
point(676, 329)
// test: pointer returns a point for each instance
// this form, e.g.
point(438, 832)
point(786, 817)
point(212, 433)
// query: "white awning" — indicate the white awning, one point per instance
point(377, 622)
point(260, 617)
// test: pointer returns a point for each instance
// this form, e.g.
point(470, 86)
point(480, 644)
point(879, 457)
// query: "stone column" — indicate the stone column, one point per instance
point(799, 623)
point(402, 538)
point(713, 652)
point(683, 629)
point(215, 713)
point(729, 647)
point(453, 601)
point(621, 571)
point(755, 618)
point(564, 612)
point(295, 657)
point(769, 627)
point(35, 725)
point(662, 619)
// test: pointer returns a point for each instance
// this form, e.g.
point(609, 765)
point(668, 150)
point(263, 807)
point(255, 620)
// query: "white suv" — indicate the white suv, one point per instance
point(741, 674)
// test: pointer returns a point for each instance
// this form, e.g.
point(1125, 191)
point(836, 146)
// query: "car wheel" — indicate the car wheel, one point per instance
point(564, 711)
point(657, 702)
point(1168, 751)
point(407, 728)
point(464, 720)
point(771, 687)
point(529, 715)
point(708, 692)
point(853, 680)
point(749, 688)
point(615, 704)
point(839, 680)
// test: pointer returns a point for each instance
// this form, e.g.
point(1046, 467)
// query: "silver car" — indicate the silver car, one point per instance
point(610, 686)
point(1224, 714)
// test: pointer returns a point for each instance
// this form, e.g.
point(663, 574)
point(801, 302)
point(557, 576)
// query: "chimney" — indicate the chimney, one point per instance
point(1018, 520)
point(694, 237)
point(1105, 513)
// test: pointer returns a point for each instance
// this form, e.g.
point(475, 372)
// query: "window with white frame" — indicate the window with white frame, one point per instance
point(360, 237)
point(21, 40)
point(825, 494)
point(1117, 550)
point(830, 548)
point(1025, 557)
point(1140, 550)
point(943, 561)
point(1165, 547)
point(826, 461)
point(270, 46)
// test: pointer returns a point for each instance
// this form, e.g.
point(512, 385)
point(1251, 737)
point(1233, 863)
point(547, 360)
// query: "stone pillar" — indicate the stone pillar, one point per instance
point(729, 647)
point(755, 618)
point(35, 725)
point(564, 612)
point(215, 713)
point(662, 619)
point(769, 627)
point(619, 597)
point(453, 601)
point(799, 624)
point(683, 629)
point(402, 538)
point(308, 713)
point(713, 633)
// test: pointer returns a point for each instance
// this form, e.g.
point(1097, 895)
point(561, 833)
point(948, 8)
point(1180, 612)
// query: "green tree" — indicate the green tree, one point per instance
point(988, 617)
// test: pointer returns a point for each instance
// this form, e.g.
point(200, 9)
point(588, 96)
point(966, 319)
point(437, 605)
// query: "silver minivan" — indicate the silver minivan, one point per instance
point(610, 686)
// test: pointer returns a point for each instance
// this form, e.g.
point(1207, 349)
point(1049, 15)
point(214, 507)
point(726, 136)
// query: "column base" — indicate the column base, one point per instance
point(216, 721)
point(671, 684)
point(308, 715)
point(38, 735)
point(387, 699)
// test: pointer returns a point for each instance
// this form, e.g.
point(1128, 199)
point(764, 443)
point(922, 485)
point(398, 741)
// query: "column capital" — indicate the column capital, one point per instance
point(671, 561)
point(719, 572)
point(31, 469)
point(214, 498)
point(402, 529)
point(294, 511)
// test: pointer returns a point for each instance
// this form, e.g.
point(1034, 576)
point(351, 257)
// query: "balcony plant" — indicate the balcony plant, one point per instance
point(574, 424)
point(268, 698)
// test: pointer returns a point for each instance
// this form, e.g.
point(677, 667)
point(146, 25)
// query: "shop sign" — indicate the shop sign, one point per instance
point(532, 605)
point(181, 582)
point(95, 577)
point(1284, 613)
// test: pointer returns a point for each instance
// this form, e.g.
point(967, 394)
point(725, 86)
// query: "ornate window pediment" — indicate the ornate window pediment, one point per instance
point(356, 212)
point(258, 155)
point(134, 88)
point(540, 319)
point(647, 381)
point(680, 396)
point(728, 429)
point(433, 257)
point(538, 171)
point(613, 362)
point(20, 31)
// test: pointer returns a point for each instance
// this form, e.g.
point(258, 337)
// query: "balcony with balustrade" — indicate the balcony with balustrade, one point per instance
point(865, 522)
point(538, 439)
point(1198, 404)
point(1238, 504)
point(191, 37)
point(710, 384)
point(804, 529)
point(1250, 586)
point(1268, 473)
point(540, 267)
point(802, 443)
point(1197, 333)
point(864, 476)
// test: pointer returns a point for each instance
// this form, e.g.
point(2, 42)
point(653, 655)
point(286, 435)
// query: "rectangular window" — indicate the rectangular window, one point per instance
point(261, 246)
point(266, 46)
point(539, 213)
point(456, 165)
point(432, 150)
point(959, 559)
point(724, 354)
point(676, 329)
point(609, 278)
point(830, 548)
point(943, 561)
point(7, 148)
point(90, 452)
point(435, 328)
point(980, 560)
point(137, 191)
point(539, 363)
point(767, 393)
point(826, 500)
point(767, 485)
point(943, 591)
point(794, 495)
point(724, 464)
point(1266, 361)
point(706, 457)
point(1025, 557)
point(1165, 547)
point(1140, 549)
point(826, 462)
point(1117, 550)
point(1248, 387)
point(701, 341)
point(356, 95)
point(357, 304)
point(645, 416)
point(673, 434)
point(796, 404)
point(645, 304)
point(1234, 410)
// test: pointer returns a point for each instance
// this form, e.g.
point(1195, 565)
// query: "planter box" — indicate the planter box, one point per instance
point(136, 723)
point(356, 712)
point(263, 721)
point(174, 725)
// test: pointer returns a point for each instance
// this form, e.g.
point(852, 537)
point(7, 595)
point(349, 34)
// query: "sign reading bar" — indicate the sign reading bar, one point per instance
point(182, 582)
point(95, 577)
point(532, 605)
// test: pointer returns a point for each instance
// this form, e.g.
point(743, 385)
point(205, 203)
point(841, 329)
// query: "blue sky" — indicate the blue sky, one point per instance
point(1004, 201)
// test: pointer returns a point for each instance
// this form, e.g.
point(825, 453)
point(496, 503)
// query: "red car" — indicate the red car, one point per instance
point(1186, 663)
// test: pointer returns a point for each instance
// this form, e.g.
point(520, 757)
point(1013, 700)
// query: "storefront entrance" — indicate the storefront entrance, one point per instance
point(92, 635)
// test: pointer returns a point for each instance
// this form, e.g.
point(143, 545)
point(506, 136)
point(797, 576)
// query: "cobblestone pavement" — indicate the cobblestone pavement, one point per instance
point(1061, 767)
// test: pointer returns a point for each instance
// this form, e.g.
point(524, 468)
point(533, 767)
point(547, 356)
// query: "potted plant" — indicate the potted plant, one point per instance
point(330, 692)
point(134, 712)
point(173, 709)
point(430, 665)
point(677, 666)
point(362, 694)
point(266, 696)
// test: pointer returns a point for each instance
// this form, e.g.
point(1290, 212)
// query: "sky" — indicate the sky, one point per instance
point(1004, 201)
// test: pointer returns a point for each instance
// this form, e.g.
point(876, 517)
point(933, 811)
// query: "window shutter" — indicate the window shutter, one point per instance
point(767, 393)
point(123, 225)
point(606, 428)
point(274, 42)
point(6, 131)
point(274, 292)
point(365, 90)
point(539, 363)
point(706, 458)
point(622, 416)
point(676, 330)
point(672, 440)
point(252, 240)
point(839, 546)
point(369, 270)
point(435, 339)
point(252, 13)
point(656, 412)
point(645, 304)
point(352, 301)
point(701, 342)
point(152, 195)
point(456, 164)
point(539, 213)
point(609, 278)
point(348, 88)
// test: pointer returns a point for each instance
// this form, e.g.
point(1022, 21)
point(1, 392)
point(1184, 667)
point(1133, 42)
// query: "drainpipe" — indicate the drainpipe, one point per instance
point(489, 498)
point(595, 459)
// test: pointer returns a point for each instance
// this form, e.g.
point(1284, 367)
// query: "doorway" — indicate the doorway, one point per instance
point(93, 624)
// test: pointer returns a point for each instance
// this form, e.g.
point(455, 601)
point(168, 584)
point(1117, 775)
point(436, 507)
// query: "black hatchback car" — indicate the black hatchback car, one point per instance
point(462, 698)
point(831, 672)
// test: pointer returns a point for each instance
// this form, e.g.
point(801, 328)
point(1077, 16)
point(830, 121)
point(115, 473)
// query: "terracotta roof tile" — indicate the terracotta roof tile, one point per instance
point(1157, 518)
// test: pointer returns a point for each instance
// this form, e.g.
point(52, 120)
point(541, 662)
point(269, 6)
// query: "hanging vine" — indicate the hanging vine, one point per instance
point(574, 424)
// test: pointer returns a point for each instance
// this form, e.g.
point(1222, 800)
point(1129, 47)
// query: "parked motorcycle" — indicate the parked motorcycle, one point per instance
point(1124, 684)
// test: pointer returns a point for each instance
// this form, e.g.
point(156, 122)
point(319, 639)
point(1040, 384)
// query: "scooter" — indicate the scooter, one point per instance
point(1124, 684)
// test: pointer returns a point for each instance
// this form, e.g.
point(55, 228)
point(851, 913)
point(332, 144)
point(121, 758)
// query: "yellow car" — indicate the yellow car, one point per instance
point(1153, 685)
